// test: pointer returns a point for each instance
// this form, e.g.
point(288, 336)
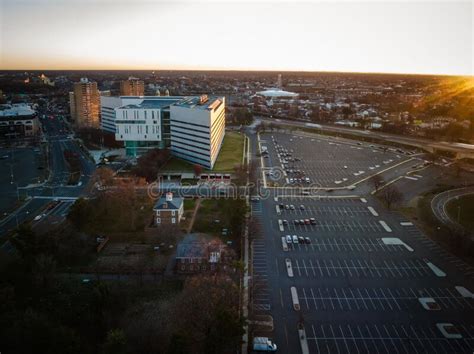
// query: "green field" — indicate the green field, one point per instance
point(231, 152)
point(229, 156)
point(464, 208)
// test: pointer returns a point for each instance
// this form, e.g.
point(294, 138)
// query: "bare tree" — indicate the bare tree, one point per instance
point(376, 181)
point(104, 176)
point(391, 196)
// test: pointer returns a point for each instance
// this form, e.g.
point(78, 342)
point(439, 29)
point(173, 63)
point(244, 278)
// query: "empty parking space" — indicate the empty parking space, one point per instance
point(325, 210)
point(325, 225)
point(260, 295)
point(385, 338)
point(325, 161)
point(361, 268)
point(358, 244)
point(380, 299)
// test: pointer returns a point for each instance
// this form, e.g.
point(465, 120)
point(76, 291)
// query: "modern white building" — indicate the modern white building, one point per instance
point(107, 112)
point(197, 129)
point(192, 127)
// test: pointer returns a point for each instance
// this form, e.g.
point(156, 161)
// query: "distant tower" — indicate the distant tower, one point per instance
point(279, 85)
point(132, 87)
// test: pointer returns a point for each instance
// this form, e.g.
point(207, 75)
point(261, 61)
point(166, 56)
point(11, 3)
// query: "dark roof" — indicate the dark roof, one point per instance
point(162, 204)
point(193, 246)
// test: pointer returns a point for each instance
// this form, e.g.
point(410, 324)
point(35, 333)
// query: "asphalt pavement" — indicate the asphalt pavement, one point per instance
point(365, 280)
point(56, 187)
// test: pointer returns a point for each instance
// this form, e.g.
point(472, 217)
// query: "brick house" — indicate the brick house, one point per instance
point(168, 210)
point(200, 253)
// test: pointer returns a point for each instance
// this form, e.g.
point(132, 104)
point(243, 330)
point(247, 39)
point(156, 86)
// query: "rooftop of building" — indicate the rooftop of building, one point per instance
point(173, 204)
point(200, 102)
point(165, 102)
point(161, 102)
point(199, 245)
point(276, 92)
point(16, 110)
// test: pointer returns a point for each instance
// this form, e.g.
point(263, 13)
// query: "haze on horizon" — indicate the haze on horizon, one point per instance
point(347, 36)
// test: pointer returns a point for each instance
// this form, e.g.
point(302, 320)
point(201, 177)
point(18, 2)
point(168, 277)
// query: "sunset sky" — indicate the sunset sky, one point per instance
point(374, 36)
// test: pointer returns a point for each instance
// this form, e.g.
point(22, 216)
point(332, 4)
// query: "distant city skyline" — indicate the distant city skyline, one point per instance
point(347, 36)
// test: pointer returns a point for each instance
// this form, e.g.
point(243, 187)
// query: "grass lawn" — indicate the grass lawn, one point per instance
point(464, 206)
point(231, 152)
point(189, 204)
point(229, 156)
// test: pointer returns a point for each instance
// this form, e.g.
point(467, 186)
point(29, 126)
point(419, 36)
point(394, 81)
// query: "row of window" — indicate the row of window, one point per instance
point(173, 220)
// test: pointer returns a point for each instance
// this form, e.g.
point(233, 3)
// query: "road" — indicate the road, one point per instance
point(56, 187)
point(439, 202)
point(465, 149)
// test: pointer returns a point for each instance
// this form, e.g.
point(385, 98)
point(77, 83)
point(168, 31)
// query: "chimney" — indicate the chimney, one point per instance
point(169, 197)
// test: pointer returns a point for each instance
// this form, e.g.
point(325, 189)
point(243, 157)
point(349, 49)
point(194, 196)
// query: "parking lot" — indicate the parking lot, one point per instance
point(392, 338)
point(299, 160)
point(366, 280)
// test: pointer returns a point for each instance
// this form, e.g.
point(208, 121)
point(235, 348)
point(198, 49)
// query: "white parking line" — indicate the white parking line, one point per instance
point(436, 270)
point(372, 210)
point(385, 226)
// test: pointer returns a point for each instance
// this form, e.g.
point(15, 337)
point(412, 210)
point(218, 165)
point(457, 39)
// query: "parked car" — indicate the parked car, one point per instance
point(312, 221)
point(300, 239)
point(263, 344)
point(288, 239)
point(295, 239)
point(307, 240)
point(306, 221)
point(302, 207)
point(285, 222)
point(296, 222)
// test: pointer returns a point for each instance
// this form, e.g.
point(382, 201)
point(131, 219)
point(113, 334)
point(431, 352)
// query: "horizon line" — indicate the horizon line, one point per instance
point(257, 70)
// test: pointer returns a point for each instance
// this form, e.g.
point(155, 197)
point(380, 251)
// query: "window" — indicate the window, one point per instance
point(158, 220)
point(173, 220)
point(158, 213)
point(173, 212)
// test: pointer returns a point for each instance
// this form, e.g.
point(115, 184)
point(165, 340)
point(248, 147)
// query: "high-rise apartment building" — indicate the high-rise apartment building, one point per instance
point(84, 104)
point(132, 87)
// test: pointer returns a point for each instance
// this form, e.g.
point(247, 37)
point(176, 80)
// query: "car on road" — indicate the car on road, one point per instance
point(38, 217)
point(295, 239)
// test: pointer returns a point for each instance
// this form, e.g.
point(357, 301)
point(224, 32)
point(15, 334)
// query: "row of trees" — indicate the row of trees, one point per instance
point(46, 309)
point(115, 209)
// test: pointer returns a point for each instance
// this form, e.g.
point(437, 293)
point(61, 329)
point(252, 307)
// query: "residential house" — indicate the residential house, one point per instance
point(168, 210)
